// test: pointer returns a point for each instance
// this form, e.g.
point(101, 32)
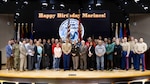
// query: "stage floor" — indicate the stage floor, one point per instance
point(69, 76)
point(73, 74)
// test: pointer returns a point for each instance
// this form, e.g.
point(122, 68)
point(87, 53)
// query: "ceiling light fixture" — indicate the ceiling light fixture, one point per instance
point(62, 5)
point(146, 8)
point(5, 0)
point(53, 7)
point(125, 2)
point(45, 4)
point(136, 1)
point(25, 2)
point(17, 14)
point(98, 4)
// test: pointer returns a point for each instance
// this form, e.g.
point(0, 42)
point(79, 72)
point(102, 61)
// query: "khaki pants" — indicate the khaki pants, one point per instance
point(23, 63)
point(75, 60)
point(17, 63)
point(10, 63)
point(83, 63)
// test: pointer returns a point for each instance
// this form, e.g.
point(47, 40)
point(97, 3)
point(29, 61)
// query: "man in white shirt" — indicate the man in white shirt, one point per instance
point(140, 49)
point(125, 54)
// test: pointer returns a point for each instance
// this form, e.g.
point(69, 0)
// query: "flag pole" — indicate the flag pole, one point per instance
point(18, 32)
point(31, 33)
point(15, 31)
point(116, 33)
point(68, 30)
point(79, 26)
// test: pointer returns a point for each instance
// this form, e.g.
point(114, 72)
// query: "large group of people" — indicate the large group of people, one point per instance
point(93, 54)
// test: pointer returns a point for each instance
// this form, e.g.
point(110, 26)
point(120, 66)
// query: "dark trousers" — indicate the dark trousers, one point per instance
point(45, 62)
point(124, 60)
point(91, 62)
point(117, 61)
point(142, 57)
point(132, 57)
point(30, 63)
point(136, 61)
point(51, 61)
point(66, 61)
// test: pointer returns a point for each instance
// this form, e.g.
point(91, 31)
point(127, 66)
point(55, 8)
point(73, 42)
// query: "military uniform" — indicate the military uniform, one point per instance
point(16, 56)
point(125, 55)
point(140, 50)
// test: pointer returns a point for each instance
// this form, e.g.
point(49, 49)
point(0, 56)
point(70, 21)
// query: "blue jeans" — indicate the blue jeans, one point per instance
point(38, 64)
point(100, 62)
point(53, 61)
point(142, 57)
point(57, 61)
point(133, 56)
point(66, 61)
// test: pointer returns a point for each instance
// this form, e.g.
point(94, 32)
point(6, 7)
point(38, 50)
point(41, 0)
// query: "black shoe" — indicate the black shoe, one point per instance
point(107, 69)
point(137, 69)
point(91, 69)
point(111, 69)
point(143, 70)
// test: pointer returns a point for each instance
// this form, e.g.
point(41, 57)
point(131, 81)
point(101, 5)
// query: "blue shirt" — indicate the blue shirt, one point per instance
point(39, 50)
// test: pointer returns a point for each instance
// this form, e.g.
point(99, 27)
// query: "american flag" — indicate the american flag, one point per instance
point(68, 30)
point(79, 27)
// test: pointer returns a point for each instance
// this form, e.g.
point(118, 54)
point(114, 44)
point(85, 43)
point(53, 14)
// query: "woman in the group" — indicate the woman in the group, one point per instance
point(30, 50)
point(117, 54)
point(109, 54)
point(57, 55)
point(75, 55)
point(91, 54)
point(38, 55)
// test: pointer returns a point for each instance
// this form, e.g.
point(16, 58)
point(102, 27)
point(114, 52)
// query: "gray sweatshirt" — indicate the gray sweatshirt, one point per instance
point(100, 50)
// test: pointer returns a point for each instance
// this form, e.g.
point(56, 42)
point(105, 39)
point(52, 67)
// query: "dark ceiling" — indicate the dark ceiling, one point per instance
point(26, 11)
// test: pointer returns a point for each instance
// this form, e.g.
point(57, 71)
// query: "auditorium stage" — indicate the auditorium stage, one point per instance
point(63, 77)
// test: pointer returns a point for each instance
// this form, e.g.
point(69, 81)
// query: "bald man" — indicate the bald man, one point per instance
point(140, 49)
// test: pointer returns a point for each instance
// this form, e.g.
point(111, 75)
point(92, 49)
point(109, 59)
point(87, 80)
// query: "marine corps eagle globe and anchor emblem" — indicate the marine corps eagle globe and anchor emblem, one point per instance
point(73, 29)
